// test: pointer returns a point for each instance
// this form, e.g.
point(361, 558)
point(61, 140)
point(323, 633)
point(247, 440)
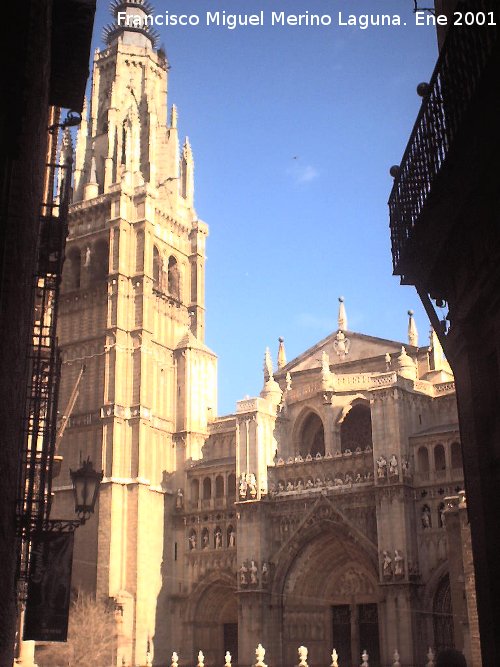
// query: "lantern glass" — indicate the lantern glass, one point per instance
point(86, 482)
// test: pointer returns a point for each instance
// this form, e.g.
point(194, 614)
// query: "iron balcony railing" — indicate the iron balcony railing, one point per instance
point(463, 59)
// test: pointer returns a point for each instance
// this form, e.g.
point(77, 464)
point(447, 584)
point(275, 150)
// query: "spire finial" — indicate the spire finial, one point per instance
point(93, 171)
point(268, 366)
point(342, 315)
point(281, 353)
point(173, 117)
point(412, 330)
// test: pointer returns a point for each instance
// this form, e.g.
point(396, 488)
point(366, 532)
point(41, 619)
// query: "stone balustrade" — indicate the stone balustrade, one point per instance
point(302, 651)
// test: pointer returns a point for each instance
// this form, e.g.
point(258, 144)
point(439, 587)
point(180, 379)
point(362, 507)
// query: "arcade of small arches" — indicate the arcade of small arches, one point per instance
point(212, 491)
point(166, 275)
point(444, 457)
point(218, 538)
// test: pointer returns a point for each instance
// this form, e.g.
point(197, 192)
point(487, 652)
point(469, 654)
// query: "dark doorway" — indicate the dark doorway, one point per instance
point(231, 641)
point(341, 623)
point(368, 632)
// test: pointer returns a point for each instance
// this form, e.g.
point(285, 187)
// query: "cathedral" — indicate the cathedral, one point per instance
point(319, 513)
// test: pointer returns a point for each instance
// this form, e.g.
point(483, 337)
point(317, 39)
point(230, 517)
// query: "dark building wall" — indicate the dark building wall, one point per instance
point(23, 137)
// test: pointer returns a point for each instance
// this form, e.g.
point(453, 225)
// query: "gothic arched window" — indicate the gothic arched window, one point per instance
point(195, 490)
point(99, 260)
point(207, 488)
point(312, 439)
point(73, 268)
point(456, 455)
point(439, 458)
point(173, 278)
point(423, 461)
point(231, 487)
point(156, 268)
point(219, 486)
point(356, 429)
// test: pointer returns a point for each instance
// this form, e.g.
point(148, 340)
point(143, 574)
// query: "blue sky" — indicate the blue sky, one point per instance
point(294, 130)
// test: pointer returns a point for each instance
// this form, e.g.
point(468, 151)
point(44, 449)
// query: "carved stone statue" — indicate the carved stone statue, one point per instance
point(218, 540)
point(386, 565)
point(252, 486)
point(192, 541)
point(205, 540)
point(179, 501)
point(381, 467)
point(288, 380)
point(243, 572)
point(399, 564)
point(289, 486)
point(341, 344)
point(405, 466)
point(243, 487)
point(387, 361)
point(426, 517)
point(254, 578)
point(232, 539)
point(393, 466)
point(265, 573)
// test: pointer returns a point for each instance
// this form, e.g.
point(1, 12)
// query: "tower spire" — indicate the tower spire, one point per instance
point(342, 315)
point(132, 23)
point(412, 330)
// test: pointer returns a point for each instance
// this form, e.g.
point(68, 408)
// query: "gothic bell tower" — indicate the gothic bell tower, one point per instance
point(132, 313)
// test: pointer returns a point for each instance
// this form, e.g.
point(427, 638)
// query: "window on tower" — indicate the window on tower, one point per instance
point(173, 278)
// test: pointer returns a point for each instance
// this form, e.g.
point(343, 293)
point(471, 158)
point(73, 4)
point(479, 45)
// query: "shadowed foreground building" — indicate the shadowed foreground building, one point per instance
point(313, 515)
point(445, 240)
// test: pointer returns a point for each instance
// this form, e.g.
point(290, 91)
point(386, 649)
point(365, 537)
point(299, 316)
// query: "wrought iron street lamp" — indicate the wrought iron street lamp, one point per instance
point(86, 482)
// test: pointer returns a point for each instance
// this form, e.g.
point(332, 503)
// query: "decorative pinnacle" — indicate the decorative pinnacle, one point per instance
point(342, 315)
point(281, 353)
point(412, 330)
point(268, 366)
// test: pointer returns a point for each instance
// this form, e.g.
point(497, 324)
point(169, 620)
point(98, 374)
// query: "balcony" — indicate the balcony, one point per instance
point(445, 170)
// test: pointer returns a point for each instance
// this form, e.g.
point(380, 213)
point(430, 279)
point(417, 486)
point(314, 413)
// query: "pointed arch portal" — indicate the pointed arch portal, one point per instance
point(330, 597)
point(214, 620)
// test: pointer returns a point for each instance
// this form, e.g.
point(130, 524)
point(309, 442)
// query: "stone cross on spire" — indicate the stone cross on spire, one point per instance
point(342, 315)
point(412, 330)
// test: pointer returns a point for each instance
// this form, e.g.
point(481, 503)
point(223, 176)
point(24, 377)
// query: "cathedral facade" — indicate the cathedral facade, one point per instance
point(315, 514)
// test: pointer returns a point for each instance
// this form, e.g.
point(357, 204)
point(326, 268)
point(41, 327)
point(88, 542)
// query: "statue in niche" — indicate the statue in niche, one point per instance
point(243, 572)
point(399, 564)
point(192, 541)
point(405, 466)
point(393, 465)
point(173, 278)
point(386, 565)
point(232, 539)
point(338, 481)
point(87, 257)
point(265, 573)
point(218, 539)
point(179, 501)
point(289, 486)
point(205, 540)
point(252, 486)
point(426, 517)
point(442, 516)
point(309, 483)
point(318, 482)
point(381, 467)
point(358, 479)
point(281, 487)
point(288, 380)
point(243, 487)
point(254, 579)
